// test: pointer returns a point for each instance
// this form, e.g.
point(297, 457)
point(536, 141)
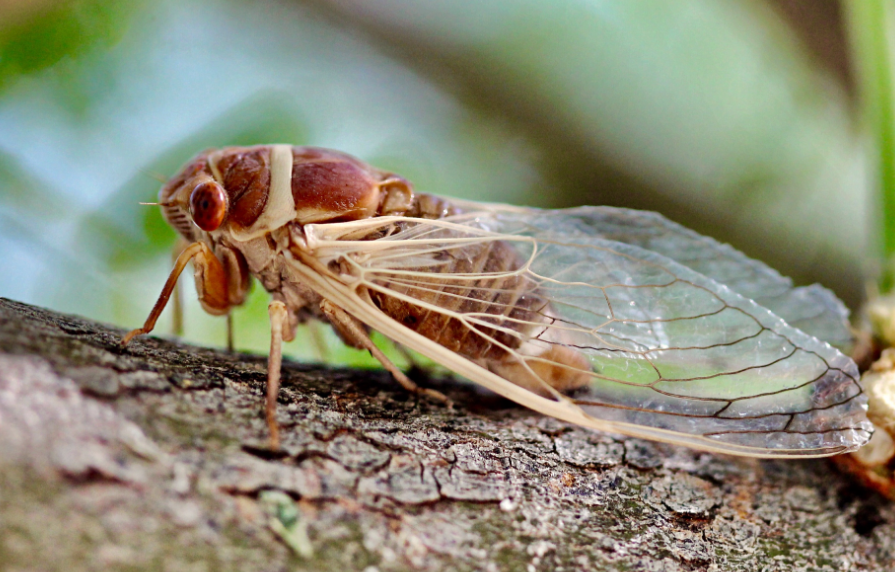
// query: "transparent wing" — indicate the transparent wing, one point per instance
point(812, 309)
point(650, 347)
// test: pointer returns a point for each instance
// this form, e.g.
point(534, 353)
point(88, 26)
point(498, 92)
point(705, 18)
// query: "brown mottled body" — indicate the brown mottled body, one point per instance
point(246, 207)
point(511, 302)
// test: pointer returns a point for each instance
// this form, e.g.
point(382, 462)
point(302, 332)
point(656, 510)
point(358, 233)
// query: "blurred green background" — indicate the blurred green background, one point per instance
point(733, 117)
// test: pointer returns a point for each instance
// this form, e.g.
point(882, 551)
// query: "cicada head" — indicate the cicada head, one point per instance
point(195, 199)
point(217, 189)
point(174, 196)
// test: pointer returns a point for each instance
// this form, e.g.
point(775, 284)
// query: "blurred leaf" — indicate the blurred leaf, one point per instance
point(870, 26)
point(22, 191)
point(67, 29)
point(122, 232)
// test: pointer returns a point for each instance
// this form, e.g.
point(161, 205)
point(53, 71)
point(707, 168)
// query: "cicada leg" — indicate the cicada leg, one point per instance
point(278, 319)
point(352, 331)
point(177, 295)
point(211, 279)
point(412, 362)
point(315, 330)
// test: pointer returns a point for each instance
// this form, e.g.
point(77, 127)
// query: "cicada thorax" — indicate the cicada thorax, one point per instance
point(255, 190)
point(235, 199)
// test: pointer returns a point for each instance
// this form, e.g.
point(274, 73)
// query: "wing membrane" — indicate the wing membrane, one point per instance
point(670, 353)
point(813, 309)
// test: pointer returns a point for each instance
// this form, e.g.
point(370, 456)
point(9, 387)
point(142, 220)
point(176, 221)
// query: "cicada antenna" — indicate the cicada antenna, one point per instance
point(160, 178)
point(168, 204)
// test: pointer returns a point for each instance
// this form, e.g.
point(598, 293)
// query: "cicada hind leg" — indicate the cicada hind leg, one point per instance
point(279, 332)
point(354, 334)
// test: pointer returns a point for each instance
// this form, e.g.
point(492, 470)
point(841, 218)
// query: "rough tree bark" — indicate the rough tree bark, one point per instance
point(152, 458)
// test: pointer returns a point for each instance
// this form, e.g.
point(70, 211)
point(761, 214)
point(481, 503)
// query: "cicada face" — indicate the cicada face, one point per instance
point(174, 196)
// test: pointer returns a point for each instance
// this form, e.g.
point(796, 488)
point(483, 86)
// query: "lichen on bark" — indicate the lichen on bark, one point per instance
point(152, 457)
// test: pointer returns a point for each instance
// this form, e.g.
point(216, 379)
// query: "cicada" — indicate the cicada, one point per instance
point(614, 319)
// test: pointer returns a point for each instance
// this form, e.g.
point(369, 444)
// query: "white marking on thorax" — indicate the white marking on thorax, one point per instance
point(212, 160)
point(280, 207)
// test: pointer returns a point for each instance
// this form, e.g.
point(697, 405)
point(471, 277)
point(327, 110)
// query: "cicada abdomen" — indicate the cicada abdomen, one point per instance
point(473, 298)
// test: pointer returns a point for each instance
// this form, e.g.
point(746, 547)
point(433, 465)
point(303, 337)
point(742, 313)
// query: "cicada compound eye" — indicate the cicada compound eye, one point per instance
point(208, 205)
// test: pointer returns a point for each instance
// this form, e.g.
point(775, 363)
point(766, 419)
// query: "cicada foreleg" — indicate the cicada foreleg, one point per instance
point(177, 300)
point(211, 280)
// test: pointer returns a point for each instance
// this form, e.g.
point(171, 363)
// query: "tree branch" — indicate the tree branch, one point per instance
point(152, 457)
